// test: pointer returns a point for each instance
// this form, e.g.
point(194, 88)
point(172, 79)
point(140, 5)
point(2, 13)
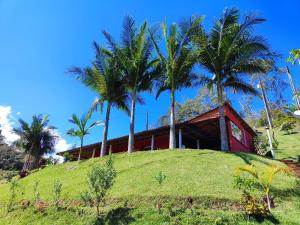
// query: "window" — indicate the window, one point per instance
point(236, 132)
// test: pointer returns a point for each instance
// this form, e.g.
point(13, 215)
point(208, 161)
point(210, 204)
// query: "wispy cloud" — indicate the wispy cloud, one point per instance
point(7, 123)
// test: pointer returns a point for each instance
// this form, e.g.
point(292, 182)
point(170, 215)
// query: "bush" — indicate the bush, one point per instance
point(160, 177)
point(253, 206)
point(67, 157)
point(287, 127)
point(100, 180)
point(260, 179)
point(14, 189)
point(57, 189)
point(36, 193)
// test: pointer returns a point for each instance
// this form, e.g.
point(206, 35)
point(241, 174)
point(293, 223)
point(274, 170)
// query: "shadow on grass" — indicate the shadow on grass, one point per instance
point(249, 158)
point(294, 132)
point(288, 192)
point(116, 216)
point(269, 218)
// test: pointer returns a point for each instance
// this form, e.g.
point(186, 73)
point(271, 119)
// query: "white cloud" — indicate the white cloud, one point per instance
point(62, 144)
point(6, 124)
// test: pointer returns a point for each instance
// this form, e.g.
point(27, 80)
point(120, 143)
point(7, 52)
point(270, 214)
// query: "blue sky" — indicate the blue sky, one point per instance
point(40, 40)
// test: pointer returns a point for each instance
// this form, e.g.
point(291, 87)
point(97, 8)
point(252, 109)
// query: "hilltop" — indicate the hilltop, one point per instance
point(205, 176)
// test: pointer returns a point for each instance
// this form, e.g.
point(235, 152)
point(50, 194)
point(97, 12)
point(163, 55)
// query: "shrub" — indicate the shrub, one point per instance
point(253, 206)
point(160, 177)
point(100, 180)
point(57, 189)
point(36, 193)
point(287, 127)
point(262, 178)
point(67, 157)
point(14, 189)
point(261, 144)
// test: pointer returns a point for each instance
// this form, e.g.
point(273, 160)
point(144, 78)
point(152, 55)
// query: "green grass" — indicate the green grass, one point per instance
point(204, 175)
point(289, 145)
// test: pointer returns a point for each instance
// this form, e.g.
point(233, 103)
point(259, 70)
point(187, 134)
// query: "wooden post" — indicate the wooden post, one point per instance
point(270, 142)
point(180, 138)
point(110, 149)
point(198, 144)
point(93, 156)
point(152, 142)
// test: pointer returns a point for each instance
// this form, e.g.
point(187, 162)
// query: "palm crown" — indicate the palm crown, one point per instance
point(231, 51)
point(36, 139)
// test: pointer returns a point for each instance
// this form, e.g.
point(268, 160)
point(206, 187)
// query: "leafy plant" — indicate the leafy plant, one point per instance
point(57, 189)
point(14, 188)
point(100, 180)
point(287, 127)
point(263, 177)
point(160, 177)
point(36, 193)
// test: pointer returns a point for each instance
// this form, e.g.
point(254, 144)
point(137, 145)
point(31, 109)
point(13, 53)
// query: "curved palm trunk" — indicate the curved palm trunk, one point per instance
point(105, 131)
point(172, 140)
point(131, 131)
point(222, 121)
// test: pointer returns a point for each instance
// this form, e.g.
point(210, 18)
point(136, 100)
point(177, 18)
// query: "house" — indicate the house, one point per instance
point(201, 132)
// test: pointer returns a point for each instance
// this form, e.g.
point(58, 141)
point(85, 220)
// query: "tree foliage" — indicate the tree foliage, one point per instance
point(36, 139)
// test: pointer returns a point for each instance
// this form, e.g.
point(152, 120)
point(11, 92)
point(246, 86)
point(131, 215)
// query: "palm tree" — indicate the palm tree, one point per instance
point(82, 129)
point(230, 52)
point(105, 79)
point(177, 65)
point(36, 139)
point(135, 59)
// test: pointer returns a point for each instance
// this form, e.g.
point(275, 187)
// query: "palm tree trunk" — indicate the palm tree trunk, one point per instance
point(172, 141)
point(222, 121)
point(26, 163)
point(105, 131)
point(131, 131)
point(80, 149)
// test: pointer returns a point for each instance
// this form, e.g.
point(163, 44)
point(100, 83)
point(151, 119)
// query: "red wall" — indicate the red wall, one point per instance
point(236, 145)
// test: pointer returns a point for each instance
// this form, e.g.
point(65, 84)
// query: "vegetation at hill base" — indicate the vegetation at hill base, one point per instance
point(204, 176)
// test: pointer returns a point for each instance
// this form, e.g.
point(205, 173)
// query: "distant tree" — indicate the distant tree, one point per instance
point(177, 64)
point(230, 52)
point(82, 129)
point(287, 127)
point(36, 139)
point(137, 64)
point(105, 79)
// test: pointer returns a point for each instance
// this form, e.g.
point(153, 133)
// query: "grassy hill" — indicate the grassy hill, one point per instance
point(204, 175)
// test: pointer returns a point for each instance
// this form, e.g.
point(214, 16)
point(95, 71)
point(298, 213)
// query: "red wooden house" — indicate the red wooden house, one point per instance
point(201, 132)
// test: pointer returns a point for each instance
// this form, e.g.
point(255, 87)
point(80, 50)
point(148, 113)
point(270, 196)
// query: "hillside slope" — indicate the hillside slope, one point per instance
point(204, 175)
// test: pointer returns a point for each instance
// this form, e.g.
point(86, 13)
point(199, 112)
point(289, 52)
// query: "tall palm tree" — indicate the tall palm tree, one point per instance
point(36, 139)
point(140, 69)
point(105, 79)
point(177, 65)
point(230, 52)
point(82, 129)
